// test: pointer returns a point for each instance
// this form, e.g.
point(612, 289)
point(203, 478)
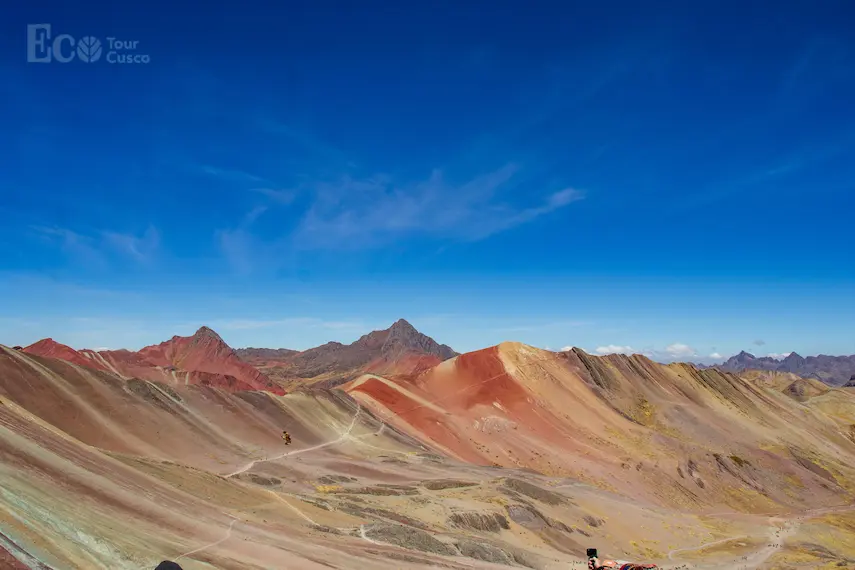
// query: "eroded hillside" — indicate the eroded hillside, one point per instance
point(678, 436)
point(104, 471)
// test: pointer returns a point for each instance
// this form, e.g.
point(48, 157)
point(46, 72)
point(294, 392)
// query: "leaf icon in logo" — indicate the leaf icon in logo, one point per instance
point(89, 49)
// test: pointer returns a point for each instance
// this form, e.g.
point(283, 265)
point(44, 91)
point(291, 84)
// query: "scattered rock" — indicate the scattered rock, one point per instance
point(432, 457)
point(325, 528)
point(525, 559)
point(527, 517)
point(811, 466)
point(169, 390)
point(408, 537)
point(693, 467)
point(817, 550)
point(534, 492)
point(382, 515)
point(379, 491)
point(593, 521)
point(440, 484)
point(486, 522)
point(316, 502)
point(559, 526)
point(263, 481)
point(147, 392)
point(485, 552)
point(333, 479)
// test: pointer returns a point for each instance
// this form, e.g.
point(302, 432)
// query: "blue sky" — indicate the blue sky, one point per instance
point(669, 177)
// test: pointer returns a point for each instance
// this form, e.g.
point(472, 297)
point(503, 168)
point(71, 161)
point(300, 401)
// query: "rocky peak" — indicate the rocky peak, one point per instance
point(403, 335)
point(744, 356)
point(793, 359)
point(402, 326)
point(205, 332)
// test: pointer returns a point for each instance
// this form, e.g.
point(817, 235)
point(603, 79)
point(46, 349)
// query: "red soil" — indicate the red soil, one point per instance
point(51, 348)
point(432, 424)
point(199, 359)
point(205, 351)
point(477, 378)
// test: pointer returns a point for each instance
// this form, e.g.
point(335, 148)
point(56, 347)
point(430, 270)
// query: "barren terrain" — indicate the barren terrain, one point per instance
point(507, 457)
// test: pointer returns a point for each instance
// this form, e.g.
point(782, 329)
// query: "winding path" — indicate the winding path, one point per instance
point(344, 435)
point(777, 535)
point(213, 544)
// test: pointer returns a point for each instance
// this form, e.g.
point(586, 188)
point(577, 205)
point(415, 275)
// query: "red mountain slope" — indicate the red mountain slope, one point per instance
point(52, 349)
point(203, 358)
point(671, 434)
point(205, 351)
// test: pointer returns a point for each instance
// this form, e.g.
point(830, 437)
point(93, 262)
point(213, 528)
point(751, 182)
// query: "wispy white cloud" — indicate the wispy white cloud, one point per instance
point(680, 350)
point(358, 213)
point(716, 356)
point(375, 210)
point(243, 252)
point(779, 355)
point(303, 139)
point(97, 247)
point(280, 195)
point(141, 248)
point(235, 175)
point(615, 349)
point(80, 247)
point(672, 353)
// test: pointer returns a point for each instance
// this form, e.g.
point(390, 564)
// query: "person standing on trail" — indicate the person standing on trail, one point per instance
point(287, 437)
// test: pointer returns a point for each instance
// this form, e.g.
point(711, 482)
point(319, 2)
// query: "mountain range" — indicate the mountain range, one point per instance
point(833, 370)
point(408, 454)
point(204, 358)
point(400, 349)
